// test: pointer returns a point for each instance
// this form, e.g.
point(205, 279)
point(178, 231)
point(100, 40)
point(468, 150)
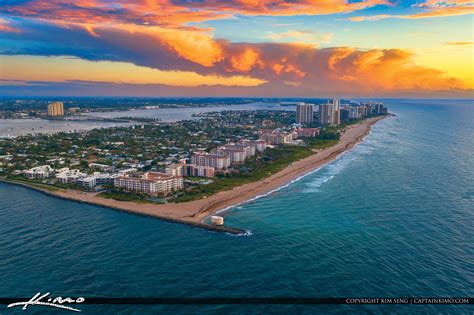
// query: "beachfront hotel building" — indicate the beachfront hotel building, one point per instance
point(237, 152)
point(260, 145)
point(101, 167)
point(151, 183)
point(214, 160)
point(67, 176)
point(304, 113)
point(199, 171)
point(88, 182)
point(175, 169)
point(248, 146)
point(146, 186)
point(56, 109)
point(236, 155)
point(185, 170)
point(278, 137)
point(165, 183)
point(39, 172)
point(204, 164)
point(307, 132)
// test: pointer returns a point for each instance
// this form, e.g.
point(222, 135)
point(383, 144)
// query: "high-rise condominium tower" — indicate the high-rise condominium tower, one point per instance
point(326, 113)
point(56, 109)
point(304, 113)
point(329, 114)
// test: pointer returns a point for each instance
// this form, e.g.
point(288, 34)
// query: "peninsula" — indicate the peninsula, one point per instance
point(187, 170)
point(195, 210)
point(198, 210)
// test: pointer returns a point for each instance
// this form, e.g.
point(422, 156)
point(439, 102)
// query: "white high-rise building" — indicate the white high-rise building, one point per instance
point(329, 114)
point(336, 118)
point(326, 113)
point(304, 113)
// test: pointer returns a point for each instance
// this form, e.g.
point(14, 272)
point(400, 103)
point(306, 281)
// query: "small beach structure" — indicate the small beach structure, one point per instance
point(217, 220)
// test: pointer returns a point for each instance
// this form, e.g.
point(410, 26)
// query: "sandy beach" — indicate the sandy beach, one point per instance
point(194, 212)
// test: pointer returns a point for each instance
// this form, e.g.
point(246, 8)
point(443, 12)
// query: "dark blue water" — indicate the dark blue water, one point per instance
point(392, 217)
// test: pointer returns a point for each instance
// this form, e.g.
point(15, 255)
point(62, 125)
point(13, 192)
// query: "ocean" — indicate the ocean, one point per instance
point(393, 217)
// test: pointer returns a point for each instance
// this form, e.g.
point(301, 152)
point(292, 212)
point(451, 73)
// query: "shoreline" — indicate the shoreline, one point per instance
point(210, 227)
point(194, 212)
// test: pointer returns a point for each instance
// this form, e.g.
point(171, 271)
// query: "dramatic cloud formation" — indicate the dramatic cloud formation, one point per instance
point(169, 13)
point(431, 8)
point(158, 42)
point(73, 69)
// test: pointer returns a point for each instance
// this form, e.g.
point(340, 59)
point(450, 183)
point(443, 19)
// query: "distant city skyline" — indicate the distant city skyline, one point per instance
point(306, 48)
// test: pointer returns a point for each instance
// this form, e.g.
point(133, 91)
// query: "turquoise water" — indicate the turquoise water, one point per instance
point(392, 217)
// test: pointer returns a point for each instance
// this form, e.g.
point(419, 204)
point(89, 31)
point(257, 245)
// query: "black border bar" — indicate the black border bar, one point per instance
point(255, 301)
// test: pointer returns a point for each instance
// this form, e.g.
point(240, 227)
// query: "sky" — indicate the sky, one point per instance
point(243, 48)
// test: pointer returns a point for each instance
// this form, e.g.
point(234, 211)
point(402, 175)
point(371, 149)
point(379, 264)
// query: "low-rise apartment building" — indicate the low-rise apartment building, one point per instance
point(39, 172)
point(146, 186)
point(151, 183)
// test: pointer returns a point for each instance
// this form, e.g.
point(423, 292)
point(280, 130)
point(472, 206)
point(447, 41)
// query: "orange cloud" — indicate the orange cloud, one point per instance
point(193, 46)
point(22, 68)
point(345, 69)
point(368, 59)
point(338, 55)
point(175, 14)
point(90, 29)
point(391, 70)
point(277, 68)
point(246, 60)
point(283, 7)
point(437, 11)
